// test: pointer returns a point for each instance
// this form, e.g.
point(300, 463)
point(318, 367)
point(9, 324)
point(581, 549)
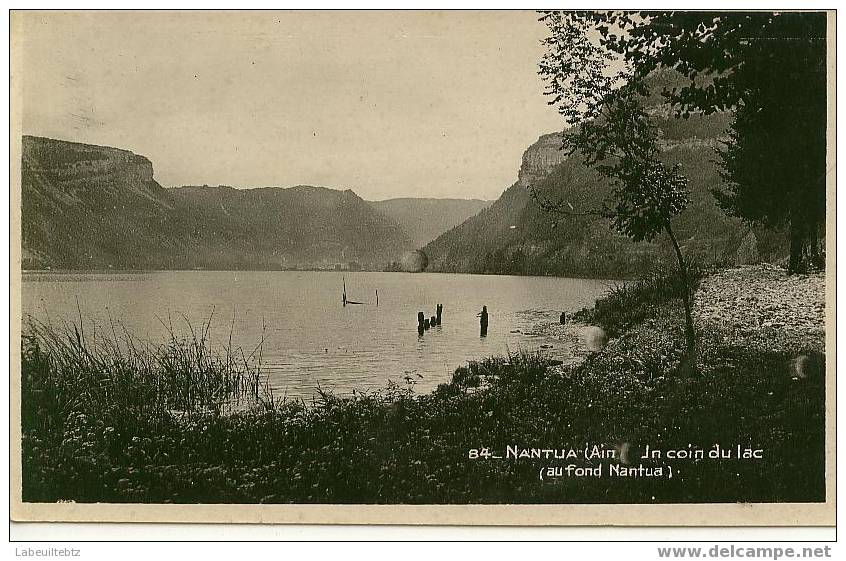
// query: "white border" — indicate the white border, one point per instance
point(240, 532)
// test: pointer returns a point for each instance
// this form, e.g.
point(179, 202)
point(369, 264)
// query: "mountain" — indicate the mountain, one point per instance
point(514, 236)
point(302, 225)
point(426, 219)
point(96, 207)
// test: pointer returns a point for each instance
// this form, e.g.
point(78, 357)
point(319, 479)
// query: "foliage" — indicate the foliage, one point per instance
point(769, 67)
point(580, 73)
point(622, 144)
point(774, 164)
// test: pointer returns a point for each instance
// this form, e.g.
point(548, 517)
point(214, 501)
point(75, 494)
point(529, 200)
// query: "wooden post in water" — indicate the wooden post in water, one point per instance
point(377, 296)
point(433, 321)
point(421, 320)
point(438, 311)
point(426, 324)
point(483, 322)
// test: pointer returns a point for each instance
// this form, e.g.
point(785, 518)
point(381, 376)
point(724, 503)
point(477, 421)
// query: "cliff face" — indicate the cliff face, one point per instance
point(540, 158)
point(75, 168)
point(95, 207)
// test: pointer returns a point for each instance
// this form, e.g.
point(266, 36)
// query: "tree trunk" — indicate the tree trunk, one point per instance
point(689, 333)
point(814, 255)
point(796, 264)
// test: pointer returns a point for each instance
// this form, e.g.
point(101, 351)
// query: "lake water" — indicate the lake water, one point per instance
point(310, 338)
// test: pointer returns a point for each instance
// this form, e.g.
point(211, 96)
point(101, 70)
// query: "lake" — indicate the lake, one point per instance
point(310, 339)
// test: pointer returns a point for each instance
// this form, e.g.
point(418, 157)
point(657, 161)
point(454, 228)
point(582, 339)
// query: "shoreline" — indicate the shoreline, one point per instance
point(344, 271)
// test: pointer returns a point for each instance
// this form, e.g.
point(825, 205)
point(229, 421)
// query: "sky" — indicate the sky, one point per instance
point(388, 104)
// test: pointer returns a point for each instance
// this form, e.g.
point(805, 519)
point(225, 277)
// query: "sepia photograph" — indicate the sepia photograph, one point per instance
point(423, 267)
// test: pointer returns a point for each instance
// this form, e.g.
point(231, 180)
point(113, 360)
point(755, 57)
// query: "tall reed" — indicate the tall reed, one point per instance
point(116, 376)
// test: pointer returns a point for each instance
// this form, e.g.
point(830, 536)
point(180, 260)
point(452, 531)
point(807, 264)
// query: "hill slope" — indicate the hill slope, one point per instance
point(426, 219)
point(95, 207)
point(515, 236)
point(302, 226)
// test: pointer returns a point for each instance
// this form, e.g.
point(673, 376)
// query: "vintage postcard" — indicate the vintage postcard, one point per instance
point(423, 267)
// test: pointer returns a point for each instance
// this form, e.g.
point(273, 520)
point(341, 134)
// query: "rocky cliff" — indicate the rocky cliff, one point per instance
point(540, 158)
point(83, 167)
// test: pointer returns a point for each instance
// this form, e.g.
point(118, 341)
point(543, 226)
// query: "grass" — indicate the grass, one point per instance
point(106, 426)
point(629, 304)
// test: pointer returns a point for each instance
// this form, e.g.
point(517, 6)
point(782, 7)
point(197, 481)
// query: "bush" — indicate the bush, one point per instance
point(629, 304)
